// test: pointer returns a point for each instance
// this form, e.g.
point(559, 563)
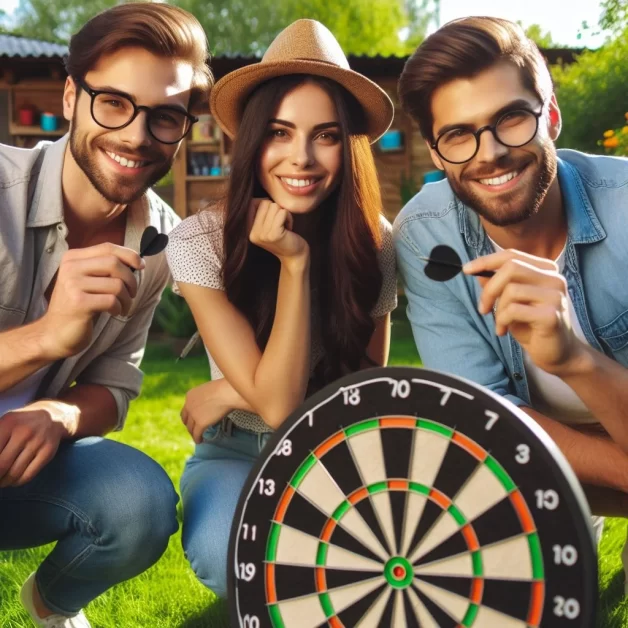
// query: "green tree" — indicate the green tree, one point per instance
point(241, 27)
point(592, 93)
point(540, 38)
point(614, 15)
point(56, 20)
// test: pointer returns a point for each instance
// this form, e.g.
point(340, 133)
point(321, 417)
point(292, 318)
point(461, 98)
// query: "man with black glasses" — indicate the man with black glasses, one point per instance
point(76, 302)
point(549, 330)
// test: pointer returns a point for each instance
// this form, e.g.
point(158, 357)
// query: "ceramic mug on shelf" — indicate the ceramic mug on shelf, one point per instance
point(49, 122)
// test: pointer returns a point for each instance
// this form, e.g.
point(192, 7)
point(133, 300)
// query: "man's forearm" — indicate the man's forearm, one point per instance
point(595, 460)
point(22, 352)
point(94, 411)
point(602, 384)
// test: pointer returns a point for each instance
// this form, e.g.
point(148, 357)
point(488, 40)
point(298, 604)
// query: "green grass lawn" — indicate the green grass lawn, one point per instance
point(168, 595)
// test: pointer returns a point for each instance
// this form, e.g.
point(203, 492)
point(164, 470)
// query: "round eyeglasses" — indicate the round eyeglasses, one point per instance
point(512, 129)
point(112, 110)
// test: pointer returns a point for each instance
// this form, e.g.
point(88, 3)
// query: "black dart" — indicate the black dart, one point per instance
point(152, 242)
point(444, 264)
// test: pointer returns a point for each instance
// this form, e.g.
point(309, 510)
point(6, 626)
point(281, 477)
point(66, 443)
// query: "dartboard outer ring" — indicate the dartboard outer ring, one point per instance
point(454, 406)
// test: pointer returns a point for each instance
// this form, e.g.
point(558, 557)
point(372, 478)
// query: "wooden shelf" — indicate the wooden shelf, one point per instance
point(214, 143)
point(17, 129)
point(203, 147)
point(194, 177)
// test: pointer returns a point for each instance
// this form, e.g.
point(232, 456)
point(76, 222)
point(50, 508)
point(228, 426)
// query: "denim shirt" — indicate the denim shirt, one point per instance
point(450, 333)
point(32, 243)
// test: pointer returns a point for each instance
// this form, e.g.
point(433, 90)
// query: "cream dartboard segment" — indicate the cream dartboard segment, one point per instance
point(406, 497)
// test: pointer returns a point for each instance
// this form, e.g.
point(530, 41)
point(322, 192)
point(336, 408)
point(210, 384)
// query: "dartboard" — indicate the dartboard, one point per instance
point(406, 497)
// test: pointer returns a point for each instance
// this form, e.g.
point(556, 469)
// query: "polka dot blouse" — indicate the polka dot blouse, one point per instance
point(195, 251)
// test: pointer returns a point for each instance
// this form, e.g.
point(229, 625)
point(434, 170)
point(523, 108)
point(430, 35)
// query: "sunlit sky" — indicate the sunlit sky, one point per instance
point(563, 18)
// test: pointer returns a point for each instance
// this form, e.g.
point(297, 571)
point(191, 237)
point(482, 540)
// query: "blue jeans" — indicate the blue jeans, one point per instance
point(110, 508)
point(210, 487)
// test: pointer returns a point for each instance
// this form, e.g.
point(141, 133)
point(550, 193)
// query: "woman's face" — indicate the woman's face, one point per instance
point(301, 158)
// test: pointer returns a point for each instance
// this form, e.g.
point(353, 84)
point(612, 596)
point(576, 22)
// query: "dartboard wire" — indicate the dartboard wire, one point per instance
point(422, 615)
point(346, 440)
point(277, 529)
point(510, 488)
point(477, 584)
point(289, 491)
point(391, 550)
point(466, 444)
point(376, 610)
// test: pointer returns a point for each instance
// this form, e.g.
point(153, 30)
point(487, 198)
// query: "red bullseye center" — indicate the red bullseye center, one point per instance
point(399, 572)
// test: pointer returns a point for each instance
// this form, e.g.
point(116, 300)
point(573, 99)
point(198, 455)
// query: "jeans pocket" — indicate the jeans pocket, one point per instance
point(213, 433)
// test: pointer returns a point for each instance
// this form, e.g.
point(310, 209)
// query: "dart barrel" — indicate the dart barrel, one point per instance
point(405, 497)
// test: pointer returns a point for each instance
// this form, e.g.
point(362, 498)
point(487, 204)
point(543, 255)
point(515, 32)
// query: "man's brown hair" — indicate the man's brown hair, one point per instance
point(162, 29)
point(462, 49)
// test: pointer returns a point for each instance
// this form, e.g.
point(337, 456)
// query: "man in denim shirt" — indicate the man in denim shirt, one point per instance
point(549, 331)
point(76, 302)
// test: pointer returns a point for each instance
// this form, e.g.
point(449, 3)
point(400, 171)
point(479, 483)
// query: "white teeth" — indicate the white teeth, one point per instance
point(123, 161)
point(298, 183)
point(500, 180)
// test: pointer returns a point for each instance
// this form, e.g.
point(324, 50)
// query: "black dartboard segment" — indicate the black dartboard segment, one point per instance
point(406, 497)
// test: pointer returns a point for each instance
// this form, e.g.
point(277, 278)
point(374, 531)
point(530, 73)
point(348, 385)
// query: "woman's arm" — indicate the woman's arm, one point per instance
point(274, 382)
point(379, 345)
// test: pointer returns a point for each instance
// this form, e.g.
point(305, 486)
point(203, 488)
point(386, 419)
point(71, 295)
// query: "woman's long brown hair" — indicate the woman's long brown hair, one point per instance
point(350, 279)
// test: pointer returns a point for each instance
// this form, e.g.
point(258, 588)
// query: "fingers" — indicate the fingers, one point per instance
point(20, 464)
point(41, 459)
point(515, 271)
point(495, 261)
point(107, 266)
point(191, 426)
point(270, 223)
point(8, 456)
point(109, 286)
point(126, 256)
point(543, 315)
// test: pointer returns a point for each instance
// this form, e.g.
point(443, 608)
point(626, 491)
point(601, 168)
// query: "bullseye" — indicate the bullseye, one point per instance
point(398, 572)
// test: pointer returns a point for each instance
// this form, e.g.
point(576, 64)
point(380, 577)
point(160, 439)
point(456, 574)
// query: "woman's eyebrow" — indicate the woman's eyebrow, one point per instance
point(318, 127)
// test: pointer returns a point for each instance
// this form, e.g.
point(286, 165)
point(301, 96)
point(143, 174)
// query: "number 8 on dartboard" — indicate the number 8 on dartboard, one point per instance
point(405, 497)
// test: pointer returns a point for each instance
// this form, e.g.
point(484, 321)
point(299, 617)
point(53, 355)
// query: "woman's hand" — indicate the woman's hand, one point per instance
point(205, 405)
point(272, 231)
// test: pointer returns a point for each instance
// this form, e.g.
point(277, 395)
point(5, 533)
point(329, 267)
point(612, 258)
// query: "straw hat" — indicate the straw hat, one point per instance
point(304, 47)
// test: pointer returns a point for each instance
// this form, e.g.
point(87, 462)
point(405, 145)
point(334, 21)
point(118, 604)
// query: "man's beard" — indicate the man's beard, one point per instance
point(117, 190)
point(506, 209)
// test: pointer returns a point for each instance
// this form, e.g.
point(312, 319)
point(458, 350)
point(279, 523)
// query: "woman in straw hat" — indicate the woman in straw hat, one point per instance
point(291, 279)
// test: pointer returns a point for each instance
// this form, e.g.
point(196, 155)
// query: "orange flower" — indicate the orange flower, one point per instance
point(609, 133)
point(625, 130)
point(626, 115)
point(611, 142)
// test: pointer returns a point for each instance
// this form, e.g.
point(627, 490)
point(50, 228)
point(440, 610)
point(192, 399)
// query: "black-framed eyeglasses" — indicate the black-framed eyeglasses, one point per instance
point(112, 110)
point(513, 129)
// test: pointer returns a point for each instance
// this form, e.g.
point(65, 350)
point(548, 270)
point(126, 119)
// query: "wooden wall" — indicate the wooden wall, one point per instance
point(414, 161)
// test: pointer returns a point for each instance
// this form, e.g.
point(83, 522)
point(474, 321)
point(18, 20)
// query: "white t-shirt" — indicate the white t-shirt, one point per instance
point(548, 393)
point(24, 392)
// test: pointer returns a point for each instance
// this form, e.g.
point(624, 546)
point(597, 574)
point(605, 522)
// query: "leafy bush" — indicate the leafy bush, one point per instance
point(592, 92)
point(615, 141)
point(173, 316)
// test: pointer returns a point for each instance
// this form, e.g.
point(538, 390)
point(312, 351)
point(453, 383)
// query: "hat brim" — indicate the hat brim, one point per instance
point(229, 95)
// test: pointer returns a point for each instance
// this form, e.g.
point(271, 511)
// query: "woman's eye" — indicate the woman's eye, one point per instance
point(278, 133)
point(329, 137)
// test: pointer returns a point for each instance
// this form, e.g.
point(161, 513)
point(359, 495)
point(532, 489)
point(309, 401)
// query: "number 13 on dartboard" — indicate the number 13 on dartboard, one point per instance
point(404, 497)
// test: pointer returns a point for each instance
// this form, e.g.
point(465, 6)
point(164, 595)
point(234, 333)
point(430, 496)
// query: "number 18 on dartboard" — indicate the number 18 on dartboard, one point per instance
point(405, 497)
